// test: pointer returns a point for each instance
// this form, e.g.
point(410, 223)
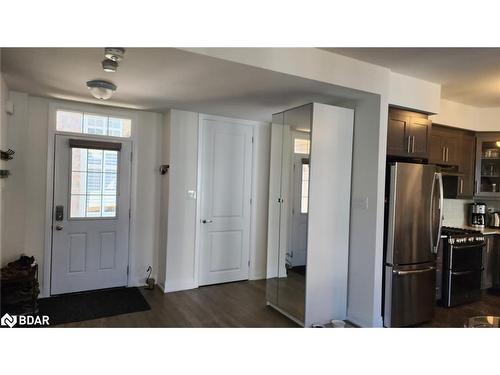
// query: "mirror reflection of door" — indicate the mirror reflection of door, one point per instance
point(296, 252)
point(294, 211)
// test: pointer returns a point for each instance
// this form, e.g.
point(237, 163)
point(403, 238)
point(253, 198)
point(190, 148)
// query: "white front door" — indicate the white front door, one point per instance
point(226, 186)
point(91, 214)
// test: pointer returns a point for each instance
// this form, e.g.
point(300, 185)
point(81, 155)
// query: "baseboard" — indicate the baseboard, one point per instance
point(363, 324)
point(137, 281)
point(178, 285)
point(257, 276)
point(161, 286)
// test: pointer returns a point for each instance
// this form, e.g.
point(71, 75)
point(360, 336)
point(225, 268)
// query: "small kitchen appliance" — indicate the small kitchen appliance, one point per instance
point(477, 215)
point(494, 219)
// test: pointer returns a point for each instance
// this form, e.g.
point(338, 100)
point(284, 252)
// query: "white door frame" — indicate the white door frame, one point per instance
point(49, 197)
point(199, 183)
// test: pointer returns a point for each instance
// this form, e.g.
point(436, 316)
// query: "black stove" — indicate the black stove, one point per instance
point(461, 266)
point(462, 236)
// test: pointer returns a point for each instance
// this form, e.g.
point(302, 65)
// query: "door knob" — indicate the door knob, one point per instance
point(207, 221)
point(59, 227)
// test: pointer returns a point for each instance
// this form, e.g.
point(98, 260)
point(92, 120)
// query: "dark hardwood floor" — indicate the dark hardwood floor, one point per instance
point(239, 304)
point(243, 304)
point(455, 317)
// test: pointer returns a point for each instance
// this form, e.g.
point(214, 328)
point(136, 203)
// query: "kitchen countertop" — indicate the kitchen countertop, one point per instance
point(486, 231)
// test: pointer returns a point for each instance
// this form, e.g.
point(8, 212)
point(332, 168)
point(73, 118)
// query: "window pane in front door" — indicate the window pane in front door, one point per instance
point(94, 181)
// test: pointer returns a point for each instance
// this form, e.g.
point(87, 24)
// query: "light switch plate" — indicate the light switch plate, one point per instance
point(360, 203)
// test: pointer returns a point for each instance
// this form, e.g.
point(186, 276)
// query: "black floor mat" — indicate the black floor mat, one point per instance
point(92, 305)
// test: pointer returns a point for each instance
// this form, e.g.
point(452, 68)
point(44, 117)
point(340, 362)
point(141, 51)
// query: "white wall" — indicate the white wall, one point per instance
point(16, 231)
point(260, 200)
point(329, 218)
point(467, 117)
point(25, 192)
point(164, 194)
point(181, 222)
point(146, 185)
point(179, 227)
point(367, 212)
point(414, 93)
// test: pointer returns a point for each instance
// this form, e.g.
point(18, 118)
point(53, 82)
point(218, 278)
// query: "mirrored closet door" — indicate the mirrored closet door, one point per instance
point(309, 206)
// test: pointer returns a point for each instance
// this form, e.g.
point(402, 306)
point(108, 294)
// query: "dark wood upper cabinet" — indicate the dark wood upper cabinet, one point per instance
point(396, 140)
point(445, 145)
point(452, 147)
point(467, 163)
point(418, 134)
point(408, 134)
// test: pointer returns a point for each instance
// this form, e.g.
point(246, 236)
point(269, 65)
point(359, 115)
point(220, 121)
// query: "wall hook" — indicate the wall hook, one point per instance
point(164, 169)
point(6, 155)
point(4, 173)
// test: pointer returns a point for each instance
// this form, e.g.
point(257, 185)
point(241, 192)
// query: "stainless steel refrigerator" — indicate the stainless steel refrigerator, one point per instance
point(413, 225)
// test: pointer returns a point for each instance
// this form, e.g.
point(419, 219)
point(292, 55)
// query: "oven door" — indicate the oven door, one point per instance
point(462, 287)
point(464, 257)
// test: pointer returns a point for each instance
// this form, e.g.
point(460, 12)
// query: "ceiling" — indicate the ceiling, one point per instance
point(157, 79)
point(467, 75)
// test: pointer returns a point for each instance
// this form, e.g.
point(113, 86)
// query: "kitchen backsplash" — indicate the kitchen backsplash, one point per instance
point(456, 211)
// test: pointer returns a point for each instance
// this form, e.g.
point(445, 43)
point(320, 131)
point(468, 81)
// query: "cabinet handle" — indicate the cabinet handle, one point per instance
point(408, 145)
point(443, 153)
point(461, 185)
point(413, 144)
point(447, 154)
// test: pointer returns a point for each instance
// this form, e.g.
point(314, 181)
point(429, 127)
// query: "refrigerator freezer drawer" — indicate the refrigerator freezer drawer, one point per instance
point(409, 295)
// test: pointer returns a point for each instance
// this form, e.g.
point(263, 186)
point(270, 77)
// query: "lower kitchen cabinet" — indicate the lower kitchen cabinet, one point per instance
point(495, 259)
point(491, 266)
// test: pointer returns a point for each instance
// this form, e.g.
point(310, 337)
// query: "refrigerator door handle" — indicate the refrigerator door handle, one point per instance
point(441, 203)
point(435, 242)
point(410, 272)
point(431, 213)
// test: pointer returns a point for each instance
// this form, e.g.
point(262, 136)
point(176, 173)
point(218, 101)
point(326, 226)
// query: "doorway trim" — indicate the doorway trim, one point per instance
point(49, 196)
point(199, 182)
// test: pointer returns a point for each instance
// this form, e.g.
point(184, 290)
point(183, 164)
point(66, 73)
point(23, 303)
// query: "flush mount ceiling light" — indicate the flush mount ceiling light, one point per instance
point(101, 89)
point(109, 66)
point(114, 53)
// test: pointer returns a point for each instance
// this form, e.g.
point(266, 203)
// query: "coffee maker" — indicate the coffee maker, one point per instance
point(477, 216)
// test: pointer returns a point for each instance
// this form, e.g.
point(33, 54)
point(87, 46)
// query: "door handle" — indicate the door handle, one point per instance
point(461, 273)
point(207, 221)
point(59, 227)
point(409, 272)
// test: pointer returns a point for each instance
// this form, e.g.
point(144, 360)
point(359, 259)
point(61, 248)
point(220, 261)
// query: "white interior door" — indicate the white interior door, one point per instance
point(226, 180)
point(91, 214)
